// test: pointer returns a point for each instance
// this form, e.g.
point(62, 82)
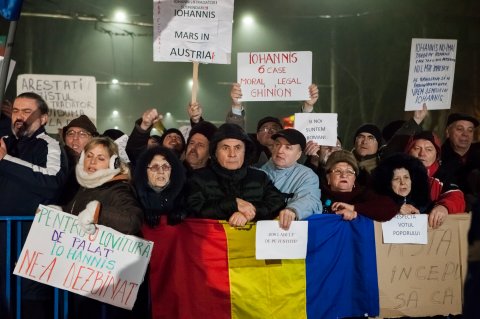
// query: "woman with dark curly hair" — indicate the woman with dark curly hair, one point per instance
point(404, 178)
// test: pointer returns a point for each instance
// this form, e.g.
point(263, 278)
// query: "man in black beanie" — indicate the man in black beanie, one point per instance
point(196, 155)
point(367, 141)
point(228, 189)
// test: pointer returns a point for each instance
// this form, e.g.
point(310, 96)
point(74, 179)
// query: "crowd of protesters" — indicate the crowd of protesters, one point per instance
point(224, 173)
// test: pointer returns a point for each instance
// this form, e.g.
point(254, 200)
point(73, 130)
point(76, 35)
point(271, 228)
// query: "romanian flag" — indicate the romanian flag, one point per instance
point(10, 9)
point(207, 269)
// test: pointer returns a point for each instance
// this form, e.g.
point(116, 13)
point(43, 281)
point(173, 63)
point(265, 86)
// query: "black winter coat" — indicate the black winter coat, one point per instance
point(212, 193)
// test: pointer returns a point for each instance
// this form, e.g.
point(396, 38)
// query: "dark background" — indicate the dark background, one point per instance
point(366, 44)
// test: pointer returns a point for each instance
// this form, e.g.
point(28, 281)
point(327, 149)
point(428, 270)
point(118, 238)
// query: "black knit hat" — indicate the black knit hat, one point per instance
point(292, 136)
point(268, 119)
point(372, 129)
point(172, 130)
point(234, 131)
point(205, 128)
point(82, 122)
point(461, 117)
point(113, 133)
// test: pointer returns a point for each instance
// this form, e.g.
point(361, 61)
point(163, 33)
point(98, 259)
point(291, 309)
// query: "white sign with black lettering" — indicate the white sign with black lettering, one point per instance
point(318, 127)
point(274, 76)
point(430, 78)
point(192, 30)
point(406, 229)
point(272, 242)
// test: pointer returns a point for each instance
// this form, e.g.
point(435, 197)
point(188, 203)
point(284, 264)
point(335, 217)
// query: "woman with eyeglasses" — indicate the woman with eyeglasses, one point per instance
point(105, 197)
point(342, 197)
point(159, 178)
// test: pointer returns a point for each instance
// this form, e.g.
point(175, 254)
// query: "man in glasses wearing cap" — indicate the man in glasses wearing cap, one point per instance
point(461, 157)
point(298, 183)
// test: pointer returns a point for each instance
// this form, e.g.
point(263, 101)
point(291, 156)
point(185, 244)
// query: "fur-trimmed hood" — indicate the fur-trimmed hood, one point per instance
point(382, 178)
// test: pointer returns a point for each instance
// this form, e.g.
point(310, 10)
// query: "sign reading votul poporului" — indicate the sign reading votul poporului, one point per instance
point(107, 266)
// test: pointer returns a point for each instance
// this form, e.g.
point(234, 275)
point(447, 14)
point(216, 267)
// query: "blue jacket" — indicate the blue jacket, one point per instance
point(31, 173)
point(299, 181)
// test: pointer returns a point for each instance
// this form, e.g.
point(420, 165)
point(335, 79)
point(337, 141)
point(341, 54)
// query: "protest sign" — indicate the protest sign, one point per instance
point(67, 96)
point(406, 229)
point(318, 127)
point(273, 242)
point(192, 30)
point(275, 76)
point(423, 280)
point(107, 266)
point(430, 78)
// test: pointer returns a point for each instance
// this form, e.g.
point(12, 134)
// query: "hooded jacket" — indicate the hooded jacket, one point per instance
point(212, 191)
point(169, 200)
point(419, 195)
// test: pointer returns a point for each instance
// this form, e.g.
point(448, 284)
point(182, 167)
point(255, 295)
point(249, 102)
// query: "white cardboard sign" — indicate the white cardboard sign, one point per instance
point(406, 229)
point(431, 74)
point(107, 266)
point(272, 242)
point(67, 96)
point(318, 127)
point(192, 30)
point(275, 76)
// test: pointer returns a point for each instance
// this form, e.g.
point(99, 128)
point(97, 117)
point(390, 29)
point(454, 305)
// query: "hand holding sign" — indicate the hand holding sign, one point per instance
point(89, 217)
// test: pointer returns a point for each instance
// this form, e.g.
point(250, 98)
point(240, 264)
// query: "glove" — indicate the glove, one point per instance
point(88, 217)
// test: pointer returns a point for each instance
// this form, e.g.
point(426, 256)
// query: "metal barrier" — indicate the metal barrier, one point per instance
point(14, 305)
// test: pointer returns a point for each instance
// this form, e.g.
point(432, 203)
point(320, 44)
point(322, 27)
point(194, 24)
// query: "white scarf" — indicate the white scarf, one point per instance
point(95, 179)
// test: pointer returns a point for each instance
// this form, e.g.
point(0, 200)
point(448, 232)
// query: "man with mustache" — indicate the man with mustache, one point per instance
point(198, 142)
point(33, 168)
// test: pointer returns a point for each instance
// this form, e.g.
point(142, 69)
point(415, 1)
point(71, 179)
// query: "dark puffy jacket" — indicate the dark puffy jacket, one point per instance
point(32, 173)
point(119, 207)
point(212, 193)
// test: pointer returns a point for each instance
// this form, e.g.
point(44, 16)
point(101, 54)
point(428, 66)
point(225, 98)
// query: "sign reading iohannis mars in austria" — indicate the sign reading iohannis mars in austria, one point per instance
point(192, 30)
point(67, 96)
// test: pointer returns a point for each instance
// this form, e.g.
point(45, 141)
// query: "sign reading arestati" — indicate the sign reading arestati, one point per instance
point(431, 74)
point(275, 76)
point(424, 280)
point(192, 30)
point(406, 229)
point(67, 96)
point(272, 242)
point(318, 127)
point(107, 266)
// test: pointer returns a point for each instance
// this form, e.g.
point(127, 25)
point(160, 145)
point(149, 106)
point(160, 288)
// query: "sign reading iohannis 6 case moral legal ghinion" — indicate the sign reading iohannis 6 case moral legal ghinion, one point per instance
point(107, 266)
point(432, 69)
point(192, 30)
point(275, 76)
point(67, 96)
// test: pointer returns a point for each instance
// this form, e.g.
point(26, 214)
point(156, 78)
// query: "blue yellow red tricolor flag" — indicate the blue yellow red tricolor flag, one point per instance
point(207, 269)
point(10, 9)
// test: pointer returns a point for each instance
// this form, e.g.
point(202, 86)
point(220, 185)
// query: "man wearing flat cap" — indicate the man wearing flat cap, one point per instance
point(298, 183)
point(461, 157)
